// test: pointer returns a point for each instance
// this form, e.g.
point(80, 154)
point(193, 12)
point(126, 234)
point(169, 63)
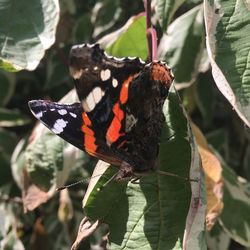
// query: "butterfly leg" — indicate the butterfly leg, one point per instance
point(126, 172)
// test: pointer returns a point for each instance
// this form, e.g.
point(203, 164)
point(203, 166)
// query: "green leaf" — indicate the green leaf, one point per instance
point(7, 66)
point(104, 15)
point(8, 141)
point(246, 164)
point(130, 40)
point(8, 234)
point(43, 158)
point(165, 9)
point(27, 30)
point(219, 140)
point(205, 97)
point(5, 173)
point(57, 73)
point(11, 118)
point(217, 238)
point(154, 213)
point(83, 29)
point(235, 218)
point(227, 28)
point(182, 46)
point(7, 83)
point(11, 241)
point(18, 163)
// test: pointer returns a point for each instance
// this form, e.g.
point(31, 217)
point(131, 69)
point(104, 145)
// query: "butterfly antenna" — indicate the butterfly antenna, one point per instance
point(108, 181)
point(76, 183)
point(70, 185)
point(176, 176)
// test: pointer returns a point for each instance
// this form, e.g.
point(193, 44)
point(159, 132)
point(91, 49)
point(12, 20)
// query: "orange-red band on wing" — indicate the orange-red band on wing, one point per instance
point(113, 132)
point(89, 135)
point(118, 112)
point(124, 90)
point(87, 130)
point(86, 119)
point(89, 144)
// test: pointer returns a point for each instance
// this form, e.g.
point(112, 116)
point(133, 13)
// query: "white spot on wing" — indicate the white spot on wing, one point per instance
point(97, 93)
point(62, 111)
point(141, 61)
point(89, 102)
point(85, 106)
point(120, 58)
point(59, 125)
point(130, 122)
point(90, 45)
point(105, 74)
point(114, 82)
point(39, 115)
point(92, 99)
point(73, 115)
point(95, 68)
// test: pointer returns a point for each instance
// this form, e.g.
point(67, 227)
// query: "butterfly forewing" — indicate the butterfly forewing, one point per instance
point(68, 122)
point(63, 120)
point(101, 83)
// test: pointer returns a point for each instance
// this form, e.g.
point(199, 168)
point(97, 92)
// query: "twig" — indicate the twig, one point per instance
point(147, 5)
point(150, 33)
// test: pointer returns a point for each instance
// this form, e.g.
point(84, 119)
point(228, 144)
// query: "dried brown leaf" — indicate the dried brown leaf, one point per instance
point(34, 197)
point(86, 228)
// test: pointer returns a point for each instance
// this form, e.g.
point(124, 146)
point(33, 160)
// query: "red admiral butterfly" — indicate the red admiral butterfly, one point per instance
point(119, 118)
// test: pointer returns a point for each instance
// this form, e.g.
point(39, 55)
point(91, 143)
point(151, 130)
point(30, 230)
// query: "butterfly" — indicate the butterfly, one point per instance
point(119, 116)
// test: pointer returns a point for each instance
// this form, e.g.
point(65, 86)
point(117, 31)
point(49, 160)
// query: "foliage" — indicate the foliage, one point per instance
point(207, 46)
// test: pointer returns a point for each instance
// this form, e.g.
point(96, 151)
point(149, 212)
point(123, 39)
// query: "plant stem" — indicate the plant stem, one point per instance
point(150, 33)
point(147, 5)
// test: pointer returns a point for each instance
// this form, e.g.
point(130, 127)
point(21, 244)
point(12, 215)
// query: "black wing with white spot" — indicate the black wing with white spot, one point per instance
point(91, 67)
point(67, 121)
point(98, 80)
point(63, 120)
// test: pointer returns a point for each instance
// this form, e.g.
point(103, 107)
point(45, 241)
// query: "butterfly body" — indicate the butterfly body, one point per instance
point(119, 117)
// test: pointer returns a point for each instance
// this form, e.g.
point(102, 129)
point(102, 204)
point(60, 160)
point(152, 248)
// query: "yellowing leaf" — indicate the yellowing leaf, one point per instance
point(213, 176)
point(65, 210)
